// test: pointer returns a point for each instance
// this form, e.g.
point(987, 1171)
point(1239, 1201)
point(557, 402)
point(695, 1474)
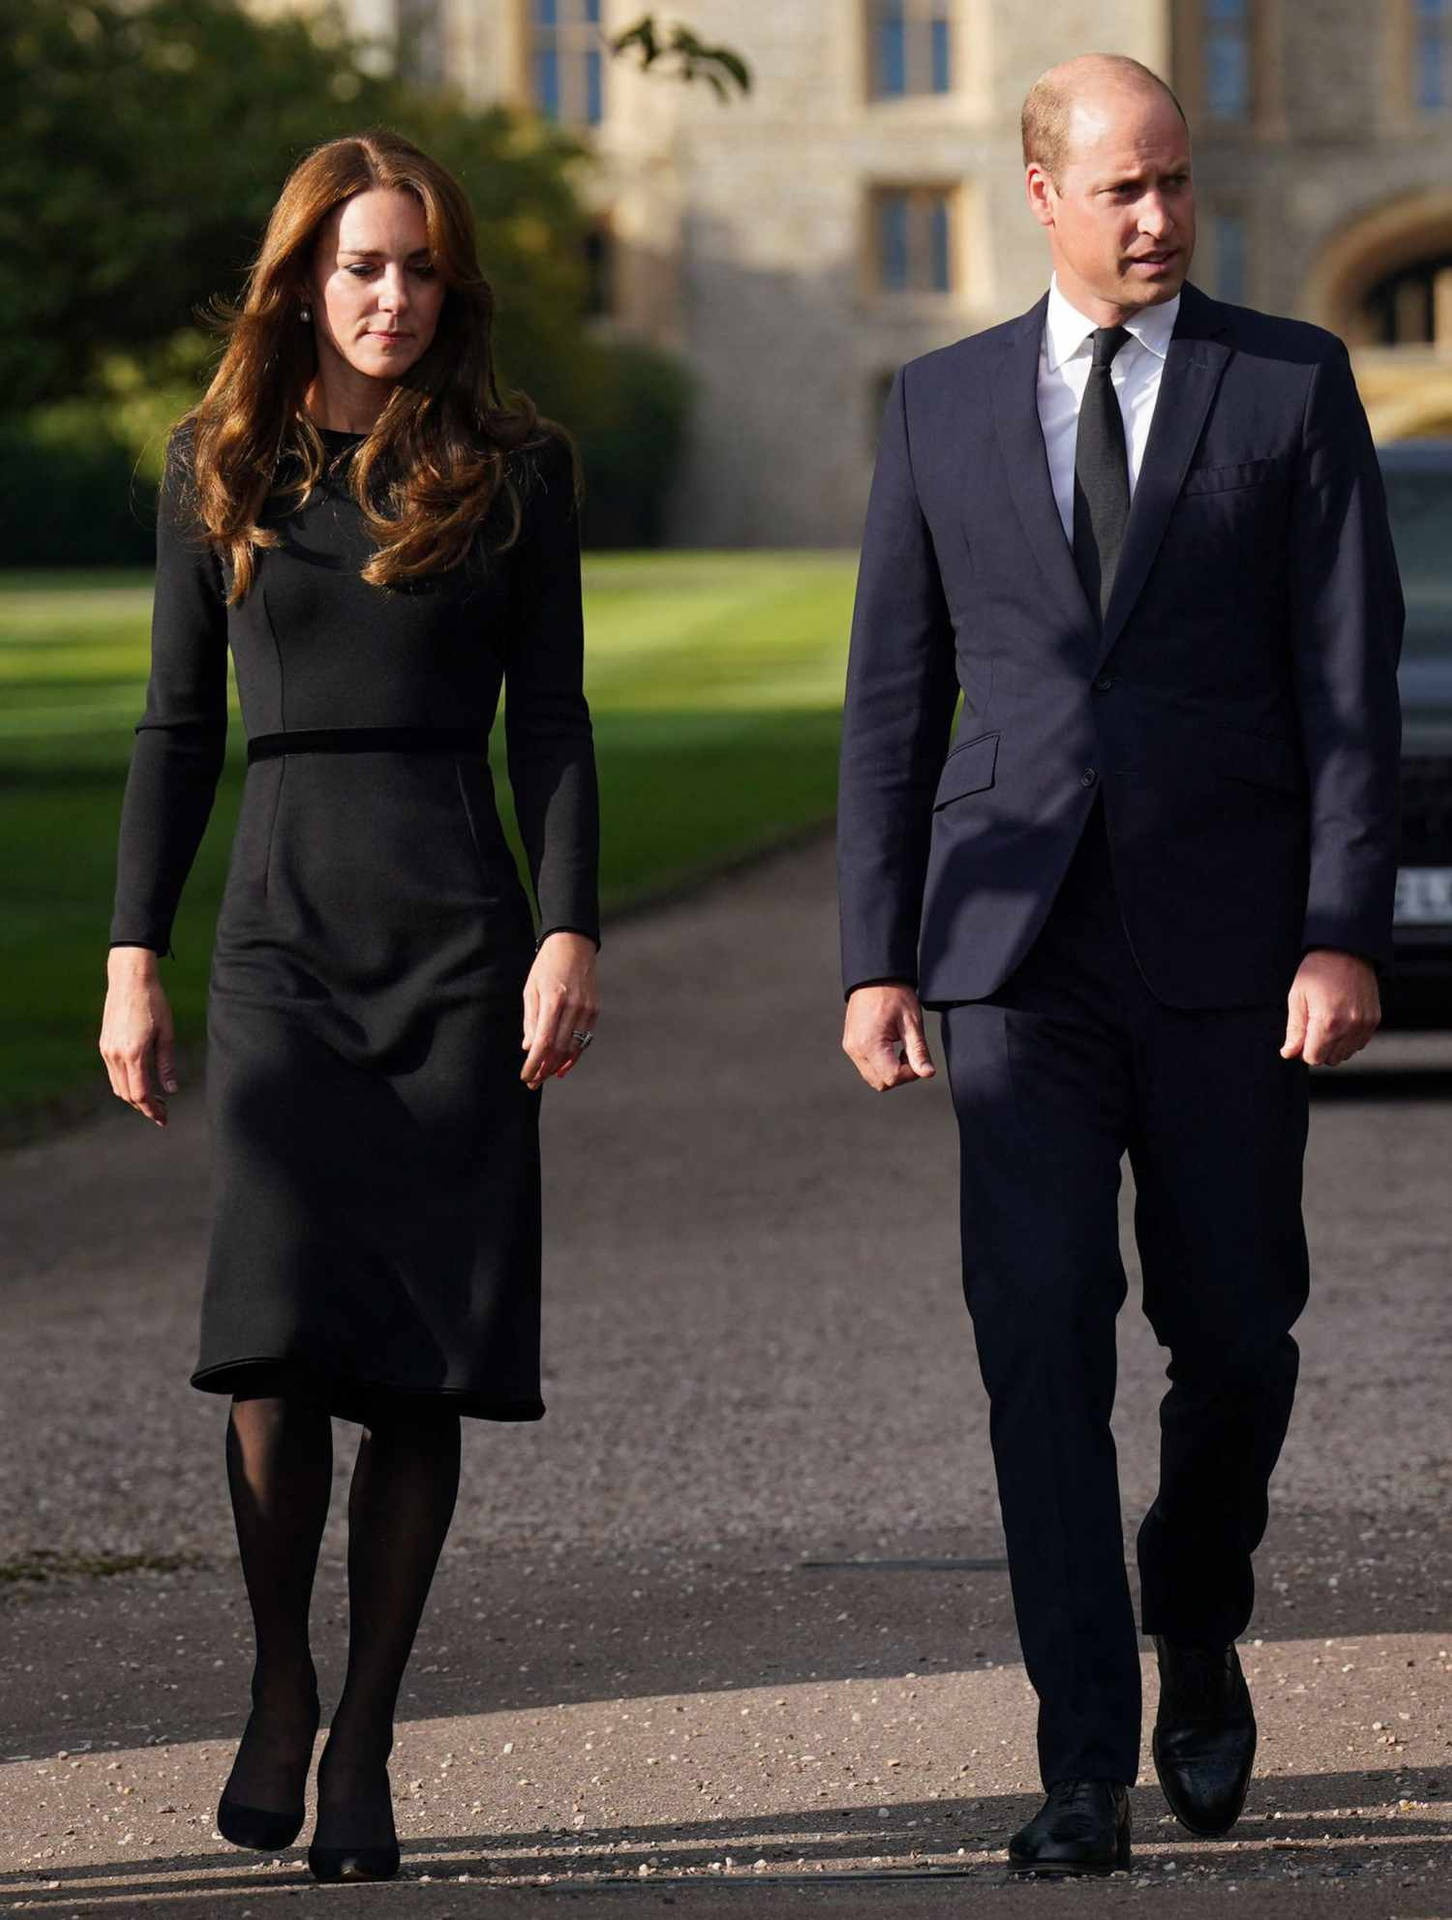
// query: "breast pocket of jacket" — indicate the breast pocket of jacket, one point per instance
point(969, 768)
point(1233, 477)
point(1226, 528)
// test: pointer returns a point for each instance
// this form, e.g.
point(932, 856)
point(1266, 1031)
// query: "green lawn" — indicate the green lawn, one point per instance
point(715, 680)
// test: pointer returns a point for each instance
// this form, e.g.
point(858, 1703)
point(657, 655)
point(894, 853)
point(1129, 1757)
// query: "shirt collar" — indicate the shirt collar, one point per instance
point(1067, 331)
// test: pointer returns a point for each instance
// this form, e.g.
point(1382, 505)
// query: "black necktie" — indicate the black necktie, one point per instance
point(1101, 474)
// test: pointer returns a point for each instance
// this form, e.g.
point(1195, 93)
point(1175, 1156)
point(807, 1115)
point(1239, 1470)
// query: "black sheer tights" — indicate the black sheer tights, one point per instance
point(405, 1481)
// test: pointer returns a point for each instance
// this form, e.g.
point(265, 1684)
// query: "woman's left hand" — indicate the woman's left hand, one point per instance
point(561, 1002)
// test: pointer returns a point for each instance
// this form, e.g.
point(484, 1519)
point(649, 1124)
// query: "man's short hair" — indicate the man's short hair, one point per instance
point(1050, 104)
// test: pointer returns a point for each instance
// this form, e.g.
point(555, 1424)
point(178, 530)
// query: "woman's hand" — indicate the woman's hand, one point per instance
point(561, 1002)
point(138, 1039)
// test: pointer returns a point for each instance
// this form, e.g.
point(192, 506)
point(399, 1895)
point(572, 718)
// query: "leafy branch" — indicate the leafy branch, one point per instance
point(690, 58)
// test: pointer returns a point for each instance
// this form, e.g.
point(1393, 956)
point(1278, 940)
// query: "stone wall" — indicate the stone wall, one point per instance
point(740, 238)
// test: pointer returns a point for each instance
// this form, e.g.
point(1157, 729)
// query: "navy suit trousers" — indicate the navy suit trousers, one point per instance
point(1069, 1066)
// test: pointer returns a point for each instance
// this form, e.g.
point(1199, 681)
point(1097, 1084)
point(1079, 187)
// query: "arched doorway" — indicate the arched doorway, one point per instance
point(1391, 254)
point(1412, 306)
point(1384, 283)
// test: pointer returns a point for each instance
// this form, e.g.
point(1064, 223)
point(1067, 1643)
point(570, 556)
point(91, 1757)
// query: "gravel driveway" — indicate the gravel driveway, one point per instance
point(732, 1622)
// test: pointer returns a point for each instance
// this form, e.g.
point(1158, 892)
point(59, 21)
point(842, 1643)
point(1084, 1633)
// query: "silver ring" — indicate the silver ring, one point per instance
point(583, 1039)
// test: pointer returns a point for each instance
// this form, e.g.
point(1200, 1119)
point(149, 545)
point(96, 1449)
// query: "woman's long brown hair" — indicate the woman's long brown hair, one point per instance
point(428, 474)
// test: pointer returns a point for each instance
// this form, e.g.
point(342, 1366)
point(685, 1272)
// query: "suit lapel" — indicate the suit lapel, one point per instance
point(1192, 370)
point(1026, 466)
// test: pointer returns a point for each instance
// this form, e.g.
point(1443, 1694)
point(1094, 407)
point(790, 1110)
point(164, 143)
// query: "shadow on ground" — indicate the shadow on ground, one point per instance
point(505, 1635)
point(1319, 1819)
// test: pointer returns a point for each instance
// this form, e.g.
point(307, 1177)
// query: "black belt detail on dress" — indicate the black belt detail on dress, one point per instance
point(267, 746)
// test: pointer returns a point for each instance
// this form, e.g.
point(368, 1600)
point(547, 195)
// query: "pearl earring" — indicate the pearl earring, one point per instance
point(305, 315)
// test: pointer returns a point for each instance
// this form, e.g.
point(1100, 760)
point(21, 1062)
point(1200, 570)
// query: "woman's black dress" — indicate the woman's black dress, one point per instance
point(376, 1225)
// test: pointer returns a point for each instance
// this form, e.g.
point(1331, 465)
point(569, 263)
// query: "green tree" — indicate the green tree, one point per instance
point(142, 144)
point(141, 149)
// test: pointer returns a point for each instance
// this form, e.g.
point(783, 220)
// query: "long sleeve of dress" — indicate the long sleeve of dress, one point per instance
point(548, 738)
point(181, 737)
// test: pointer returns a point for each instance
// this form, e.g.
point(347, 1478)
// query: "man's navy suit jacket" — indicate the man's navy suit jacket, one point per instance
point(1237, 708)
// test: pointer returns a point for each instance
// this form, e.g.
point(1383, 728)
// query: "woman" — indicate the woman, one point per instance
point(381, 542)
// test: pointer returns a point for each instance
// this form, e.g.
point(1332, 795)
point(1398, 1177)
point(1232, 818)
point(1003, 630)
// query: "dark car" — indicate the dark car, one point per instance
point(1419, 495)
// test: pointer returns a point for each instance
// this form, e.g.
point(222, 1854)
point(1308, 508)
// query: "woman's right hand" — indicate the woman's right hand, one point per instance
point(138, 1039)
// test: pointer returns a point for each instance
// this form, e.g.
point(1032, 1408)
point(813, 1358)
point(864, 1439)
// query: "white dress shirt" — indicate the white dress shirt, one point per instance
point(1064, 359)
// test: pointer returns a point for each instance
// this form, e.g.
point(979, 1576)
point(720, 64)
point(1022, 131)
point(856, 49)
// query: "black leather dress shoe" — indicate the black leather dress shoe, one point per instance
point(1083, 1827)
point(1204, 1738)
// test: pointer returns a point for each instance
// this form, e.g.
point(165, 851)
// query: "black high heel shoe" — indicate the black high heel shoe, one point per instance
point(353, 1863)
point(266, 1829)
point(258, 1827)
point(374, 1859)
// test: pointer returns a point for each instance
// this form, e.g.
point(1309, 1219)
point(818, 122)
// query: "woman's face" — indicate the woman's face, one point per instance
point(376, 292)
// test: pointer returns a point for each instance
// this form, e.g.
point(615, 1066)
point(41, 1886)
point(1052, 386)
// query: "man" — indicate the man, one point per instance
point(1144, 533)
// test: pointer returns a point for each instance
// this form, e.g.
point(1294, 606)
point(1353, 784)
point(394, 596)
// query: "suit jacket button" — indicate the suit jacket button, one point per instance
point(1088, 777)
point(1104, 683)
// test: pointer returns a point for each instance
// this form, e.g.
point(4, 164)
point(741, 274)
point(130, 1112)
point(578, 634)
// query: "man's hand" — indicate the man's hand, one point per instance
point(883, 1037)
point(1334, 1008)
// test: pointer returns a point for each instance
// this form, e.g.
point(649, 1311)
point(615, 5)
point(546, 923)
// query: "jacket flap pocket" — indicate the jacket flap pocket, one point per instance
point(1246, 473)
point(1261, 760)
point(968, 769)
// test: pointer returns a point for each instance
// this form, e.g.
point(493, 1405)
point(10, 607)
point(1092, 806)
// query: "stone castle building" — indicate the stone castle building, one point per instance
point(864, 202)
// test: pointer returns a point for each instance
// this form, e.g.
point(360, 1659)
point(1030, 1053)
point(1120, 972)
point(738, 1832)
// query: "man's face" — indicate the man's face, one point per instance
point(1121, 215)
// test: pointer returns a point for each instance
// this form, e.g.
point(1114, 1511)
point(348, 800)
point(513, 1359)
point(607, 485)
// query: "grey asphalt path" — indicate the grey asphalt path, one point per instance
point(729, 1630)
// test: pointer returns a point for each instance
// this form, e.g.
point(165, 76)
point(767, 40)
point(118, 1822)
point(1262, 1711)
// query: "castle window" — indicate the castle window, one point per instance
point(910, 47)
point(1432, 53)
point(879, 386)
point(1227, 41)
point(1227, 239)
point(599, 271)
point(419, 41)
point(912, 247)
point(567, 60)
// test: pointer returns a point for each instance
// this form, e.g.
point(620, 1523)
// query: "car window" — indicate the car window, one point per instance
point(1420, 505)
